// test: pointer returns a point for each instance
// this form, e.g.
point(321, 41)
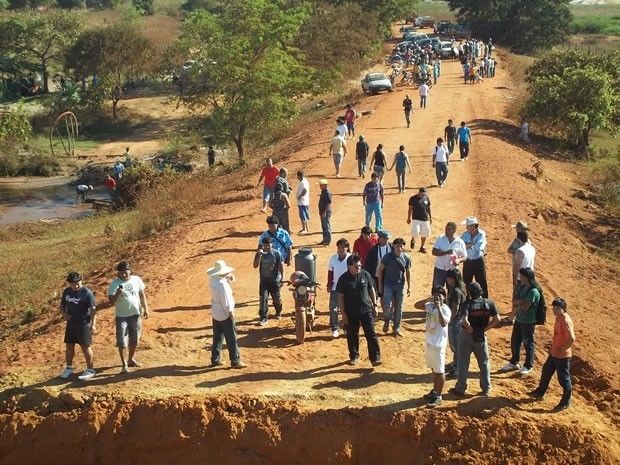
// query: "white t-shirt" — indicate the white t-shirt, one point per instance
point(128, 303)
point(305, 199)
point(441, 154)
point(82, 187)
point(529, 255)
point(337, 267)
point(458, 247)
point(424, 90)
point(436, 335)
point(343, 130)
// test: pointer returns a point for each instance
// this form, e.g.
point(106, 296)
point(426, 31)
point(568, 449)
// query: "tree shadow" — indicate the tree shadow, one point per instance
point(182, 308)
point(215, 220)
point(106, 376)
point(369, 377)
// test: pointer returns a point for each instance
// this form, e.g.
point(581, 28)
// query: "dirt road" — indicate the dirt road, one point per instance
point(493, 185)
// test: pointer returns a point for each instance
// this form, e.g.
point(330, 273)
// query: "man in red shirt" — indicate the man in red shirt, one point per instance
point(269, 174)
point(349, 118)
point(559, 355)
point(364, 243)
point(109, 182)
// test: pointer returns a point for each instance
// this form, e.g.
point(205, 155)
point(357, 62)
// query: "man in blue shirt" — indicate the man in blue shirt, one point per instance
point(475, 244)
point(463, 134)
point(394, 272)
point(373, 201)
point(281, 240)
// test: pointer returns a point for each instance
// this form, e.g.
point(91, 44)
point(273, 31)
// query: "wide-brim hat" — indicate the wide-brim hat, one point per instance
point(470, 221)
point(220, 268)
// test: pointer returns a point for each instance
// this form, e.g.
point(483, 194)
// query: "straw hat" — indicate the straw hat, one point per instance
point(219, 269)
point(470, 221)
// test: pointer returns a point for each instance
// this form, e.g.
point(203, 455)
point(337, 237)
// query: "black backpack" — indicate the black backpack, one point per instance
point(541, 309)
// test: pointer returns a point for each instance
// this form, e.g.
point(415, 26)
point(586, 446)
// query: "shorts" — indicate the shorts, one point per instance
point(78, 334)
point(351, 126)
point(436, 358)
point(379, 170)
point(337, 158)
point(267, 193)
point(304, 212)
point(128, 329)
point(420, 228)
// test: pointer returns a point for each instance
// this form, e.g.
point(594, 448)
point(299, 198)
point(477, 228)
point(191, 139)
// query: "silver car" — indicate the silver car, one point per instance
point(376, 82)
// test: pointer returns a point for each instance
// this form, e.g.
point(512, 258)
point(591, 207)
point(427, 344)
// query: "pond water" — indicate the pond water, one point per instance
point(28, 204)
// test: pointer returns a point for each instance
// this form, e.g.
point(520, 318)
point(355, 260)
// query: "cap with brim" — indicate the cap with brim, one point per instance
point(123, 266)
point(74, 277)
point(470, 221)
point(520, 224)
point(383, 234)
point(323, 182)
point(220, 268)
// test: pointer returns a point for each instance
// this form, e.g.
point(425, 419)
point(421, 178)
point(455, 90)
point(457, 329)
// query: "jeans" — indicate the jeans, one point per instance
point(441, 170)
point(393, 296)
point(361, 166)
point(265, 289)
point(464, 149)
point(523, 333)
point(455, 328)
point(467, 345)
point(439, 277)
point(376, 209)
point(562, 367)
point(333, 310)
point(225, 330)
point(476, 269)
point(450, 143)
point(326, 227)
point(400, 179)
point(422, 101)
point(367, 322)
point(282, 215)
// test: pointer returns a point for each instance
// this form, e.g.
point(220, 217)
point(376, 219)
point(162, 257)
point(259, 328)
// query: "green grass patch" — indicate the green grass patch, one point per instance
point(438, 10)
point(605, 25)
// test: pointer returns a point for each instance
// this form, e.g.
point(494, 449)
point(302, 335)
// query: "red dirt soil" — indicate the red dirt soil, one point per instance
point(304, 404)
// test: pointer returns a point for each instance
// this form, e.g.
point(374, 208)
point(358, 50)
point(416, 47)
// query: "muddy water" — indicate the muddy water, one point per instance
point(27, 204)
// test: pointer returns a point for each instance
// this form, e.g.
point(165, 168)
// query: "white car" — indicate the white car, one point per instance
point(376, 82)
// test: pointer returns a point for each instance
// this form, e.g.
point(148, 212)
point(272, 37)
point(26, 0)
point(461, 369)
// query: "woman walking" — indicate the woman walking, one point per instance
point(377, 163)
point(401, 160)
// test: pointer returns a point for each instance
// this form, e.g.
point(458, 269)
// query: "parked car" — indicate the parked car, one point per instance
point(425, 21)
point(442, 27)
point(434, 42)
point(459, 31)
point(376, 82)
point(411, 36)
point(407, 29)
point(447, 50)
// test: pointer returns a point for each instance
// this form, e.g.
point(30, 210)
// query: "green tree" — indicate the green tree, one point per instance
point(39, 40)
point(577, 98)
point(522, 25)
point(114, 54)
point(247, 72)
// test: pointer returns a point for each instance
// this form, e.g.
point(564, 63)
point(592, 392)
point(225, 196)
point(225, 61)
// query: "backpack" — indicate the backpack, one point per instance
point(541, 309)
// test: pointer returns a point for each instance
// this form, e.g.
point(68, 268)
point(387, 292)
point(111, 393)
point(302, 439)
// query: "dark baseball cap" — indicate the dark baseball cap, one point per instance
point(74, 277)
point(123, 266)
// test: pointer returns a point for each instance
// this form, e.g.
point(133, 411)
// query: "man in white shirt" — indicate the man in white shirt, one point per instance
point(303, 201)
point(336, 267)
point(222, 311)
point(437, 318)
point(441, 159)
point(338, 149)
point(450, 250)
point(424, 91)
point(524, 257)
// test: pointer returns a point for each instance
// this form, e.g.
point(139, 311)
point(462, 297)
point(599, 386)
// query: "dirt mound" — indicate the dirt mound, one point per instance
point(244, 430)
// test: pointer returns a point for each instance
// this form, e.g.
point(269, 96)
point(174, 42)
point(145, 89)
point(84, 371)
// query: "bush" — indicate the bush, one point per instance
point(607, 175)
point(102, 4)
point(14, 125)
point(69, 4)
point(139, 180)
point(145, 6)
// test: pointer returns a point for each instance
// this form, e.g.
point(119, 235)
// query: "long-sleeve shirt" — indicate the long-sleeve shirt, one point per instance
point(222, 300)
point(479, 244)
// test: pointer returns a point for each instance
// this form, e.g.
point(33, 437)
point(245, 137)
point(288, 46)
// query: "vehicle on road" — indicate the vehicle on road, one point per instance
point(458, 31)
point(447, 50)
point(442, 27)
point(406, 30)
point(425, 21)
point(376, 82)
point(304, 294)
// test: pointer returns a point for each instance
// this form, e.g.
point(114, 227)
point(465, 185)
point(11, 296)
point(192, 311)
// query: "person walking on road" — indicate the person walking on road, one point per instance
point(524, 257)
point(349, 118)
point(559, 358)
point(372, 198)
point(408, 108)
point(280, 205)
point(325, 212)
point(211, 156)
point(436, 335)
point(281, 239)
point(525, 304)
point(303, 201)
point(78, 308)
point(420, 219)
point(222, 312)
point(393, 273)
point(463, 135)
point(457, 294)
point(479, 315)
point(378, 162)
point(362, 149)
point(375, 255)
point(401, 162)
point(271, 270)
point(449, 134)
point(441, 160)
point(358, 301)
point(336, 267)
point(424, 91)
point(476, 244)
point(269, 174)
point(338, 150)
point(126, 293)
point(449, 250)
point(363, 244)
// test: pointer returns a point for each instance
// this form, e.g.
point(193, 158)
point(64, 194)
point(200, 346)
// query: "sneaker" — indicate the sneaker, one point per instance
point(335, 334)
point(398, 332)
point(435, 402)
point(525, 371)
point(124, 370)
point(536, 394)
point(422, 250)
point(376, 363)
point(412, 244)
point(430, 396)
point(354, 361)
point(386, 326)
point(239, 365)
point(510, 367)
point(216, 364)
point(455, 392)
point(87, 374)
point(262, 322)
point(66, 373)
point(561, 406)
point(485, 393)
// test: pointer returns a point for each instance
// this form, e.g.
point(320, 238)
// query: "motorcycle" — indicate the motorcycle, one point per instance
point(304, 293)
point(422, 80)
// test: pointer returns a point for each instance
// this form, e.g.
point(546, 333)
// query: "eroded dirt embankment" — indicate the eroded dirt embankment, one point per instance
point(242, 430)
